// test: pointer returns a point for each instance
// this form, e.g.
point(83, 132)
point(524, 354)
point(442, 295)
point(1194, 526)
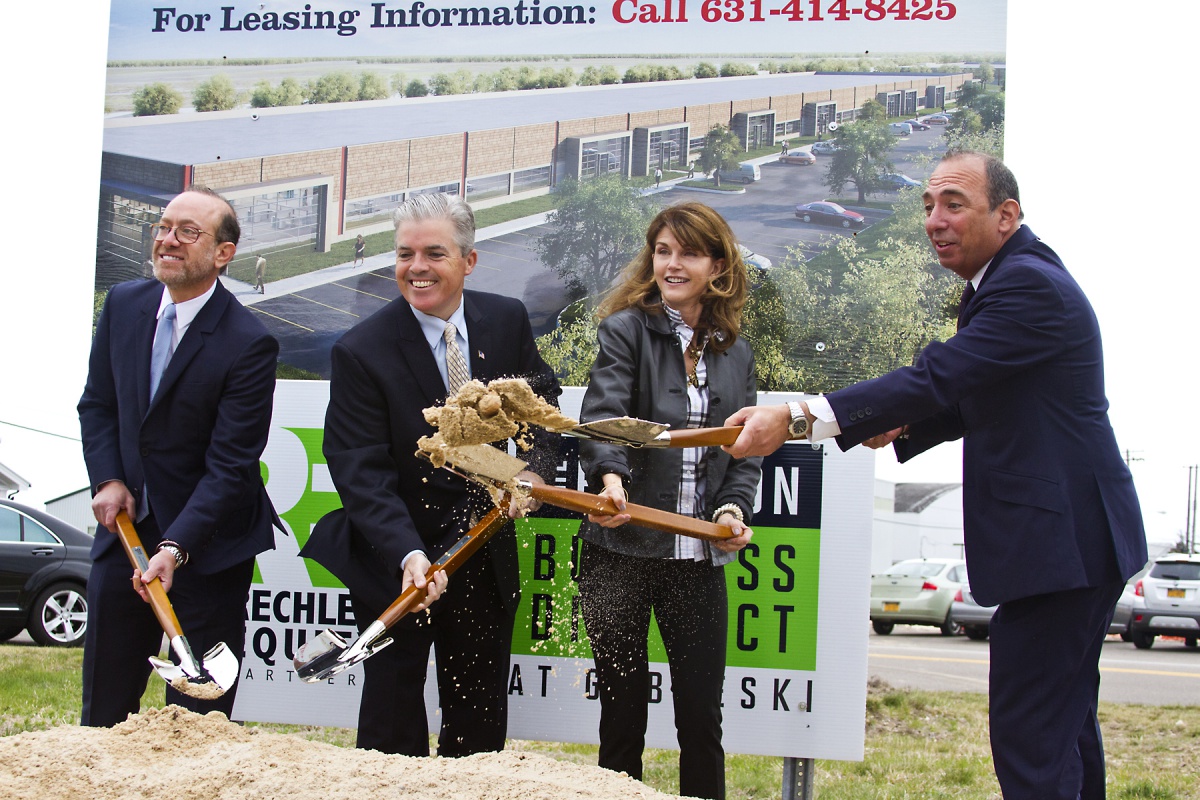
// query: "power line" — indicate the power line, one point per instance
point(36, 430)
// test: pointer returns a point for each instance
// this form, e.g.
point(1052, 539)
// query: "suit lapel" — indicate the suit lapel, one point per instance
point(143, 343)
point(414, 349)
point(1018, 240)
point(193, 341)
point(482, 339)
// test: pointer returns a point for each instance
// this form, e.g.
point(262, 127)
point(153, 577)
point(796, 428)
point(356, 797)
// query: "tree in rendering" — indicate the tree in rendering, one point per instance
point(871, 111)
point(861, 158)
point(719, 151)
point(155, 100)
point(372, 86)
point(333, 87)
point(598, 226)
point(215, 94)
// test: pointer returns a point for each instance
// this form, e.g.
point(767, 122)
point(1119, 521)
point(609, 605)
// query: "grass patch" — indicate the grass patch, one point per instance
point(925, 745)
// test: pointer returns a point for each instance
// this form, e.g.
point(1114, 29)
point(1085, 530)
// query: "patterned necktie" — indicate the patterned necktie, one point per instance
point(967, 294)
point(456, 365)
point(164, 347)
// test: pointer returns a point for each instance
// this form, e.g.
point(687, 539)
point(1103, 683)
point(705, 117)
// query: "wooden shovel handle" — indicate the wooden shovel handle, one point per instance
point(158, 595)
point(645, 516)
point(451, 560)
point(704, 437)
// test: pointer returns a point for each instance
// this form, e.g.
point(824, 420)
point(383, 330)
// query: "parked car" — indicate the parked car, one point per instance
point(1127, 604)
point(895, 181)
point(900, 128)
point(1170, 592)
point(802, 157)
point(753, 259)
point(44, 568)
point(973, 618)
point(745, 173)
point(917, 592)
point(917, 125)
point(937, 119)
point(825, 147)
point(830, 214)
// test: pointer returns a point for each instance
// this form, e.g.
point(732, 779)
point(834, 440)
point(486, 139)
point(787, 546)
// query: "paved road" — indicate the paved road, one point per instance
point(919, 657)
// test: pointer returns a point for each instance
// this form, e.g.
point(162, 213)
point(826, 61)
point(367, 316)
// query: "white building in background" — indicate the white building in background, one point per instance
point(915, 520)
point(11, 482)
point(75, 509)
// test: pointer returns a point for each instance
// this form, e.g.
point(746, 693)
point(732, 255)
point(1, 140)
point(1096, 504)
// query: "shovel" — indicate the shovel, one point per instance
point(207, 679)
point(329, 654)
point(633, 432)
point(491, 467)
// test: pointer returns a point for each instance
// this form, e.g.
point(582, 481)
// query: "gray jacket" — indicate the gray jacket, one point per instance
point(639, 372)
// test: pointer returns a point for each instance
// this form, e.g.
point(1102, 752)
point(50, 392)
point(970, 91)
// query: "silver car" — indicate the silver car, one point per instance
point(973, 618)
point(1171, 594)
point(917, 592)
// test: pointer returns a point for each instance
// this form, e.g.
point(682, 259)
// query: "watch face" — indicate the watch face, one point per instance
point(799, 427)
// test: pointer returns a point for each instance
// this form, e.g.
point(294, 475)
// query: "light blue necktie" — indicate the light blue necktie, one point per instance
point(164, 347)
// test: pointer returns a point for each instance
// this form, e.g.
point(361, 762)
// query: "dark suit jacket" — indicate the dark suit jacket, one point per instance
point(196, 447)
point(393, 503)
point(1048, 504)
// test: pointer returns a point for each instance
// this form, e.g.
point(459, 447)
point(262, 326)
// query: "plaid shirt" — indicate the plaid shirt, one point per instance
point(691, 480)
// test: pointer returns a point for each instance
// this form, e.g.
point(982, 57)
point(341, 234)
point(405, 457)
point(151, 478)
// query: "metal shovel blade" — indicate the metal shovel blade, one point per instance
point(212, 677)
point(619, 430)
point(328, 654)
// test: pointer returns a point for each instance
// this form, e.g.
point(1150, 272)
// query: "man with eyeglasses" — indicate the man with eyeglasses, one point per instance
point(174, 417)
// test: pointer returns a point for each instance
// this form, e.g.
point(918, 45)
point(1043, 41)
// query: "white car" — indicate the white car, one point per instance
point(825, 147)
point(1170, 593)
point(919, 591)
point(753, 259)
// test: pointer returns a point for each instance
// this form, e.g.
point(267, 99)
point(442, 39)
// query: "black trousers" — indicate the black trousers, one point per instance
point(1044, 688)
point(471, 635)
point(123, 632)
point(689, 603)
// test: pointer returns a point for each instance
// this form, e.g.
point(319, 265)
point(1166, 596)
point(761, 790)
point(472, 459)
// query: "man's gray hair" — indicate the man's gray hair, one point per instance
point(421, 207)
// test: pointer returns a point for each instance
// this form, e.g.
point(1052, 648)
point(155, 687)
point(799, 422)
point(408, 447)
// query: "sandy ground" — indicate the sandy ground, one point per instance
point(174, 754)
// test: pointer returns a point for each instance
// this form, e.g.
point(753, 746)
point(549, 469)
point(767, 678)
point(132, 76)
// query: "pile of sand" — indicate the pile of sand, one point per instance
point(172, 753)
point(479, 414)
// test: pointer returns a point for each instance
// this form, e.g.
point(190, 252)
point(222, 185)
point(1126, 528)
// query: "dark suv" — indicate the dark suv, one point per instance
point(44, 568)
point(1171, 591)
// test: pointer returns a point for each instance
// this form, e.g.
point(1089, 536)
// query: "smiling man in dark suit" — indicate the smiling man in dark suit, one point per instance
point(1051, 520)
point(174, 417)
point(399, 513)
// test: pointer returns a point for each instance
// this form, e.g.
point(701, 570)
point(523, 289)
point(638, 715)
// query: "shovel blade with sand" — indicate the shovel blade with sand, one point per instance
point(206, 678)
point(329, 654)
point(491, 467)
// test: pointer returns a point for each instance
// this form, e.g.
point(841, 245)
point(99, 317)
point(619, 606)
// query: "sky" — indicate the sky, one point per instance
point(1083, 88)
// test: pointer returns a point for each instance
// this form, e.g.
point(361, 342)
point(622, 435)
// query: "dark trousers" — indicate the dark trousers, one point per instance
point(471, 635)
point(122, 631)
point(1044, 688)
point(689, 602)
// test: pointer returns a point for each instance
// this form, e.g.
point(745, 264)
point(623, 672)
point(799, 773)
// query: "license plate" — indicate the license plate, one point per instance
point(1176, 593)
point(891, 606)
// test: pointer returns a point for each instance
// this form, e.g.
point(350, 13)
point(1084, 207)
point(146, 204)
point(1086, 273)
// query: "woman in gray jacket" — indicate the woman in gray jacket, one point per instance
point(669, 352)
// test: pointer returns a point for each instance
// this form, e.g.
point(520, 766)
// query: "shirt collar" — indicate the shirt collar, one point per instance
point(186, 311)
point(434, 327)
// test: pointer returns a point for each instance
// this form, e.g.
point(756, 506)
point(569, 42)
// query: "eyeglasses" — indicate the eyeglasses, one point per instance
point(184, 233)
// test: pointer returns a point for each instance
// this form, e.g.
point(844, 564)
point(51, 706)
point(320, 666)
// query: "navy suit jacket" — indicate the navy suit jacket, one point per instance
point(384, 375)
point(196, 447)
point(1048, 503)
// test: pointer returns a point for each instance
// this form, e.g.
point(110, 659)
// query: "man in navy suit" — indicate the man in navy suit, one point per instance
point(399, 513)
point(1051, 521)
point(182, 459)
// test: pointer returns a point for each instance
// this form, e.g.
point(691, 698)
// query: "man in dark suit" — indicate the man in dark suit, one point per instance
point(1051, 521)
point(399, 514)
point(177, 448)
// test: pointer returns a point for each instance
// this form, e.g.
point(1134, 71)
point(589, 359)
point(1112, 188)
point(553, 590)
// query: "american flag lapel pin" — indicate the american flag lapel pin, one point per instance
point(480, 354)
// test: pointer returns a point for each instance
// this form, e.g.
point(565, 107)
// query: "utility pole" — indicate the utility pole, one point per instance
point(1130, 457)
point(1189, 529)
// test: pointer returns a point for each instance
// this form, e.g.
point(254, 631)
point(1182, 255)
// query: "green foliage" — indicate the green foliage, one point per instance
point(648, 73)
point(333, 87)
point(719, 151)
point(985, 72)
point(872, 111)
point(861, 157)
point(599, 76)
point(571, 348)
point(397, 82)
point(372, 86)
point(730, 69)
point(155, 100)
point(598, 226)
point(286, 372)
point(215, 94)
point(705, 69)
point(416, 88)
point(289, 92)
point(987, 141)
point(461, 81)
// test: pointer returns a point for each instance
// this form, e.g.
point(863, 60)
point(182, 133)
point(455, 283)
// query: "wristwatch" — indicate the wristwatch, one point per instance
point(798, 428)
